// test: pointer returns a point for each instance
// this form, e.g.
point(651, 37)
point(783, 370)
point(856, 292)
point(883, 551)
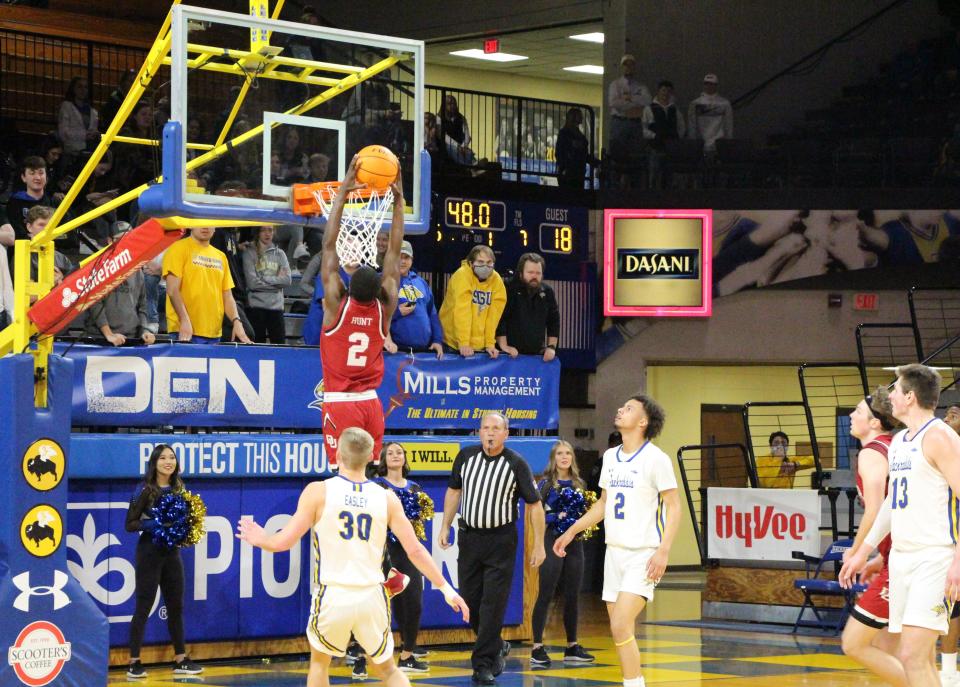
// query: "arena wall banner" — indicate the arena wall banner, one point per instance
point(754, 248)
point(188, 385)
point(233, 590)
point(762, 524)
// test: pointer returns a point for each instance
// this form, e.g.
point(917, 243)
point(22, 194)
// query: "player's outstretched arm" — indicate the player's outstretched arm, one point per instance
point(308, 508)
point(587, 520)
point(391, 259)
point(330, 262)
point(419, 556)
point(942, 445)
point(658, 561)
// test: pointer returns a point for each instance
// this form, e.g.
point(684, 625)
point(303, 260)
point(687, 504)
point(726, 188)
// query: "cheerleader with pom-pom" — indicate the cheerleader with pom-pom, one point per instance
point(392, 473)
point(158, 562)
point(565, 499)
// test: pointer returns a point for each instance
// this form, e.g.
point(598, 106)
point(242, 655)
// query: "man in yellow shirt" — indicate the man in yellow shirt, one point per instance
point(776, 471)
point(199, 290)
point(473, 304)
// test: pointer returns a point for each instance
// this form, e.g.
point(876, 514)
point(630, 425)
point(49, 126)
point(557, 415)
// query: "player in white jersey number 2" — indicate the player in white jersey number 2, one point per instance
point(921, 513)
point(640, 509)
point(350, 516)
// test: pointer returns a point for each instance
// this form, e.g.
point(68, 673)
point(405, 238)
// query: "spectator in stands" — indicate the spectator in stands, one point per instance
point(115, 99)
point(777, 471)
point(136, 164)
point(33, 173)
point(199, 290)
point(319, 168)
point(294, 165)
point(121, 316)
point(267, 272)
point(156, 293)
point(367, 110)
point(572, 151)
point(416, 323)
point(36, 221)
point(101, 188)
point(232, 242)
point(710, 116)
point(473, 304)
point(531, 320)
point(77, 121)
point(626, 98)
point(662, 122)
point(456, 133)
point(313, 324)
point(431, 134)
point(51, 151)
point(6, 292)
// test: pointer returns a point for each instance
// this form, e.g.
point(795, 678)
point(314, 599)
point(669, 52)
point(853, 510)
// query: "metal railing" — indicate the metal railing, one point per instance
point(761, 419)
point(514, 134)
point(935, 316)
point(712, 465)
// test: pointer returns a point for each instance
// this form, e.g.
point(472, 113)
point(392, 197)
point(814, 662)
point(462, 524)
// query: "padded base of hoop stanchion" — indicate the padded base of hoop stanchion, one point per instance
point(166, 199)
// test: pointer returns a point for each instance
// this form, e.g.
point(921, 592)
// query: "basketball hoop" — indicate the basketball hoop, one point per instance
point(363, 215)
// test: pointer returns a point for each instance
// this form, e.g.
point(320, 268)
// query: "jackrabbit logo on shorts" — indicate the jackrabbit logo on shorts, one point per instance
point(41, 530)
point(38, 655)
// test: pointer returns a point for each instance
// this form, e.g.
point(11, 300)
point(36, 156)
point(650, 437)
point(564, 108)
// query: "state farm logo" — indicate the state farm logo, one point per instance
point(759, 523)
point(38, 655)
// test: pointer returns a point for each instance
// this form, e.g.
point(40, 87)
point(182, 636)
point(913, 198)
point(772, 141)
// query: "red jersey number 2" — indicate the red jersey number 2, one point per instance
point(360, 342)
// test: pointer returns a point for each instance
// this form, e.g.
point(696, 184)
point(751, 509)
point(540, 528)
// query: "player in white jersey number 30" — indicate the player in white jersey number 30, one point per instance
point(640, 509)
point(921, 513)
point(351, 515)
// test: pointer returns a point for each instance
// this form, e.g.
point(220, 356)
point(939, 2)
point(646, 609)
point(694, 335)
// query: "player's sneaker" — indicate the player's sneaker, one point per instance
point(396, 582)
point(353, 653)
point(359, 671)
point(538, 657)
point(576, 654)
point(410, 664)
point(186, 667)
point(136, 671)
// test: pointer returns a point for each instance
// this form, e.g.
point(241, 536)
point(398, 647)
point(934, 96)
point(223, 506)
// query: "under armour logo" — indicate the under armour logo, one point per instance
point(68, 297)
point(22, 582)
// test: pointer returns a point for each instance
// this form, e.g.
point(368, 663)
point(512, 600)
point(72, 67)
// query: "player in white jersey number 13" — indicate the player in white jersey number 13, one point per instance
point(921, 513)
point(350, 516)
point(640, 509)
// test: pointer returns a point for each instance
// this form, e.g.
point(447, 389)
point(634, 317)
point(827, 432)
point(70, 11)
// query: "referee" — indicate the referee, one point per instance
point(485, 484)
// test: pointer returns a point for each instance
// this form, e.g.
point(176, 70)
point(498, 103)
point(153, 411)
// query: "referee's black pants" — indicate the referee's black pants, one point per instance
point(485, 571)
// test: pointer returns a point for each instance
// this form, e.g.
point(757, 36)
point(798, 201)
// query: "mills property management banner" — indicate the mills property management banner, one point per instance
point(269, 386)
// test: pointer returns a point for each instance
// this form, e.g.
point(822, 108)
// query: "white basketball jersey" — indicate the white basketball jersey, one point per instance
point(352, 531)
point(635, 514)
point(924, 510)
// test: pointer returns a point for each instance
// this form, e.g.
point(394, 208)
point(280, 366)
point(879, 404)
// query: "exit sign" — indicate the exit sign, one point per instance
point(866, 301)
point(491, 45)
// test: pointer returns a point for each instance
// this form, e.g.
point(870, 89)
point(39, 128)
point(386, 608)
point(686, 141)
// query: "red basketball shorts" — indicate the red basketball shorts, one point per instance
point(361, 410)
point(873, 606)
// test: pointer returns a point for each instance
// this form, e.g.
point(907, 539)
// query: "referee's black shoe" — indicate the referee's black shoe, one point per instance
point(505, 649)
point(498, 665)
point(483, 676)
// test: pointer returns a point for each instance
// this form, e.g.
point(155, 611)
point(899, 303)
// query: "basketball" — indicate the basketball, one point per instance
point(377, 167)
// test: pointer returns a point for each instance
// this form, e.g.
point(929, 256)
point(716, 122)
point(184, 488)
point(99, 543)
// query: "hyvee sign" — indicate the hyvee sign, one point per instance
point(762, 524)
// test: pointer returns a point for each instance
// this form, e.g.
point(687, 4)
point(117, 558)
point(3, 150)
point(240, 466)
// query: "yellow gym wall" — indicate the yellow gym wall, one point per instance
point(682, 389)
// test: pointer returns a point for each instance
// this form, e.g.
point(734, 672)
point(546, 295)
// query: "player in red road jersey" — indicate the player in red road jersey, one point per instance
point(355, 325)
point(865, 638)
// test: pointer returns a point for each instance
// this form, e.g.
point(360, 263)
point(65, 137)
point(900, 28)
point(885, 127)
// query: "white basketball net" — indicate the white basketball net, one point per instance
point(359, 224)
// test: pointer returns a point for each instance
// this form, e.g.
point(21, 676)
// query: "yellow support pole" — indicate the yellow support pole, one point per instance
point(241, 96)
point(161, 47)
point(155, 143)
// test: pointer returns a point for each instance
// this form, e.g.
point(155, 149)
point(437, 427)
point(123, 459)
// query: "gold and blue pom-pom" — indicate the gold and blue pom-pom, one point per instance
point(572, 504)
point(426, 514)
point(198, 511)
point(180, 516)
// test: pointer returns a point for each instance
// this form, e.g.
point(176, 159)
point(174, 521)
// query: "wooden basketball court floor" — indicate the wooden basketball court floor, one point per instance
point(673, 656)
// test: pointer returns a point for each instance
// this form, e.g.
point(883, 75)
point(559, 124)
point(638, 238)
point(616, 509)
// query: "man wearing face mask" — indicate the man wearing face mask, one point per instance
point(531, 321)
point(777, 471)
point(473, 304)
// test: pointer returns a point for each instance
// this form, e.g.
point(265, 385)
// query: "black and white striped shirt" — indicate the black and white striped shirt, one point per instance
point(491, 486)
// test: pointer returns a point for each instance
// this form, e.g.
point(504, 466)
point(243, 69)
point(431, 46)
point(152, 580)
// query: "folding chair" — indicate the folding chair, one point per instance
point(814, 585)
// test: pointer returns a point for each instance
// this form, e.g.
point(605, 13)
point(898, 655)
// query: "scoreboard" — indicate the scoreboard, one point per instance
point(511, 228)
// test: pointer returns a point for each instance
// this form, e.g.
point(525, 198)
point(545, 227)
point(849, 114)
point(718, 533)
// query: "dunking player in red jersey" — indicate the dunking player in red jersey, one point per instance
point(355, 325)
point(865, 638)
